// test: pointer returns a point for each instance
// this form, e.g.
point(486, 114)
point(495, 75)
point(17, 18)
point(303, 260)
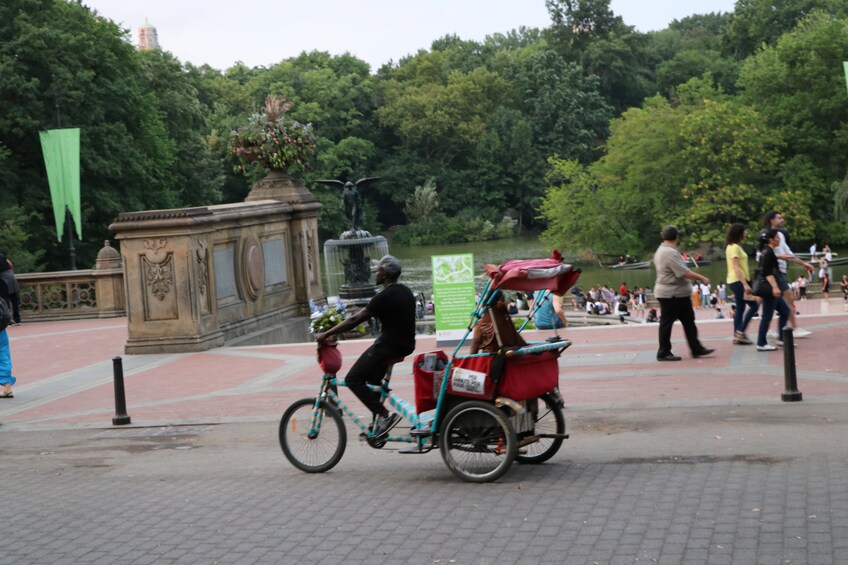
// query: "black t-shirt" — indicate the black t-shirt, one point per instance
point(395, 308)
point(768, 262)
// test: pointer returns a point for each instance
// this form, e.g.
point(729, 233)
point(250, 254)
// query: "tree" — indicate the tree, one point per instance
point(576, 214)
point(14, 241)
point(57, 51)
point(588, 33)
point(798, 86)
point(701, 160)
point(568, 114)
point(423, 202)
point(692, 63)
point(730, 161)
point(759, 23)
point(642, 169)
point(194, 172)
point(577, 21)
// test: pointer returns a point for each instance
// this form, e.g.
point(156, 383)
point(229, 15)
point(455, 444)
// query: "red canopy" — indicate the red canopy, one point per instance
point(533, 274)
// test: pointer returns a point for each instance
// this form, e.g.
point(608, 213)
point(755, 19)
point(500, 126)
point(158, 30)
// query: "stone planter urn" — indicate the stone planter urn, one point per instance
point(277, 185)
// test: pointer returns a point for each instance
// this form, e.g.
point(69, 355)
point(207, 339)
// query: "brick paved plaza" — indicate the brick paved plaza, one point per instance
point(690, 462)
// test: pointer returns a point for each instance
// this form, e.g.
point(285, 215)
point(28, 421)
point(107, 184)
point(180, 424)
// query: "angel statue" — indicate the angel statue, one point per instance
point(351, 199)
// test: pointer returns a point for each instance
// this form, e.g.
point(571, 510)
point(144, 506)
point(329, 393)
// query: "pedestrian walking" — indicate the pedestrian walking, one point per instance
point(775, 220)
point(673, 290)
point(739, 280)
point(770, 271)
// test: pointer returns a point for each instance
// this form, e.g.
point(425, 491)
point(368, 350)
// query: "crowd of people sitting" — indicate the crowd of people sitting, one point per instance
point(622, 303)
point(604, 301)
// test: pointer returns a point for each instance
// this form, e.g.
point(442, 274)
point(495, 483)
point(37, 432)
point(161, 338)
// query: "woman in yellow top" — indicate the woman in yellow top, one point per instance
point(738, 280)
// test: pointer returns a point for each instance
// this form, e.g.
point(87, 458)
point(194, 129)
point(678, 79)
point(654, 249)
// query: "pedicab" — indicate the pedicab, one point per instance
point(482, 411)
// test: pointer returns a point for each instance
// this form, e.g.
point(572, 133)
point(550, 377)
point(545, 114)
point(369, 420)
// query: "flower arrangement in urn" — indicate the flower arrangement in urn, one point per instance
point(273, 140)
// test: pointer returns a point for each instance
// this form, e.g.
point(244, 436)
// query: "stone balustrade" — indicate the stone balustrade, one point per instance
point(88, 293)
point(198, 278)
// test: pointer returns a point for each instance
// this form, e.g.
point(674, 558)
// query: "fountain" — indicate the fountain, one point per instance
point(348, 260)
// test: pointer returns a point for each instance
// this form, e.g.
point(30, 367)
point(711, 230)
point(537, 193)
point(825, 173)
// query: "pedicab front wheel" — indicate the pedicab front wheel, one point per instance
point(313, 438)
point(478, 442)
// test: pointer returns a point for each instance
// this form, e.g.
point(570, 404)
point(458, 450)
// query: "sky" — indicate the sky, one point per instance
point(264, 32)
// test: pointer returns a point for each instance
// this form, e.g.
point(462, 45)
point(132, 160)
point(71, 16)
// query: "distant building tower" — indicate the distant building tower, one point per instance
point(147, 37)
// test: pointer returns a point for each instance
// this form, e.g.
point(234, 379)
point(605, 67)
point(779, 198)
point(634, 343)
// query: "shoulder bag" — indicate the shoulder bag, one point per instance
point(760, 285)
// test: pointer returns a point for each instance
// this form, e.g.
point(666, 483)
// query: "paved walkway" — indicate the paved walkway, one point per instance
point(65, 369)
point(697, 461)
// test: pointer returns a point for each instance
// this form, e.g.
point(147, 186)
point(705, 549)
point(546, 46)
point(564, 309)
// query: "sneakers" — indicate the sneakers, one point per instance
point(766, 347)
point(797, 332)
point(740, 338)
point(385, 424)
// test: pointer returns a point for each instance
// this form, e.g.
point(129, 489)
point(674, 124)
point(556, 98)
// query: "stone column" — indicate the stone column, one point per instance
point(108, 275)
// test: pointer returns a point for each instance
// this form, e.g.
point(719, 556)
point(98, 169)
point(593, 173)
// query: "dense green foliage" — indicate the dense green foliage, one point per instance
point(589, 130)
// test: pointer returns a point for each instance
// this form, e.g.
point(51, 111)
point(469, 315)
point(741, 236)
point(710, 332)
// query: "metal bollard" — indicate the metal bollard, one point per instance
point(791, 394)
point(121, 417)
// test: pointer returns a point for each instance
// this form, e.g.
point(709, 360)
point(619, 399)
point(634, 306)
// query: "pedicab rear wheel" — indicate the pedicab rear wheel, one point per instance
point(477, 442)
point(312, 450)
point(549, 420)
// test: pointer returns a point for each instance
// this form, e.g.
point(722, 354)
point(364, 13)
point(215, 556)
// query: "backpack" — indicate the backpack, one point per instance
point(5, 315)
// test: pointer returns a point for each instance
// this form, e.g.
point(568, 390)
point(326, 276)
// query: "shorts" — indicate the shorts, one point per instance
point(782, 283)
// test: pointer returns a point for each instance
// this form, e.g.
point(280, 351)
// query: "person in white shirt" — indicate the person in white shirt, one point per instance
point(706, 293)
point(774, 220)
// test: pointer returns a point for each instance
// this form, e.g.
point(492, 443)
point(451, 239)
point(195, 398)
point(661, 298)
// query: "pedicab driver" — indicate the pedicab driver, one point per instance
point(394, 307)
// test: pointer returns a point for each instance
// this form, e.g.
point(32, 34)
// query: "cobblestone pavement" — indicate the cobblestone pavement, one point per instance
point(691, 462)
point(728, 484)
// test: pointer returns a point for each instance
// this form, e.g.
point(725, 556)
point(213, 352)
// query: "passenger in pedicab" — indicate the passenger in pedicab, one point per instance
point(495, 322)
point(550, 315)
point(395, 308)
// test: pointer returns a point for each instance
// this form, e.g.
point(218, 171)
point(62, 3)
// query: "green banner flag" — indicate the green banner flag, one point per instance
point(61, 148)
point(845, 68)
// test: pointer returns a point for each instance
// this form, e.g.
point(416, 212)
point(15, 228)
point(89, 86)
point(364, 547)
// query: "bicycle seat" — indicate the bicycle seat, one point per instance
point(390, 363)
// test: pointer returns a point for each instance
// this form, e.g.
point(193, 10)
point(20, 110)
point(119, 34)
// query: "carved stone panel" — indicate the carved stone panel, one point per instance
point(160, 297)
point(201, 273)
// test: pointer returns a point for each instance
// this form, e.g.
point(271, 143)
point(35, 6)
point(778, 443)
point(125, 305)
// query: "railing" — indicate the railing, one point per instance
point(67, 295)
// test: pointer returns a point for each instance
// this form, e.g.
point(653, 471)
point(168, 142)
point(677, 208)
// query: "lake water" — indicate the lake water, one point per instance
point(417, 272)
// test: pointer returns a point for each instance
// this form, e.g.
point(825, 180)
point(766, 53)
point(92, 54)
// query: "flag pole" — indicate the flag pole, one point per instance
point(68, 215)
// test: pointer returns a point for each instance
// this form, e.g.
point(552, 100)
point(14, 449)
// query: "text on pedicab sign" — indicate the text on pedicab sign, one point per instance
point(463, 380)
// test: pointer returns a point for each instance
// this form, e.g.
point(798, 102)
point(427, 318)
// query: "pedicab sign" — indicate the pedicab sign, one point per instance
point(453, 291)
